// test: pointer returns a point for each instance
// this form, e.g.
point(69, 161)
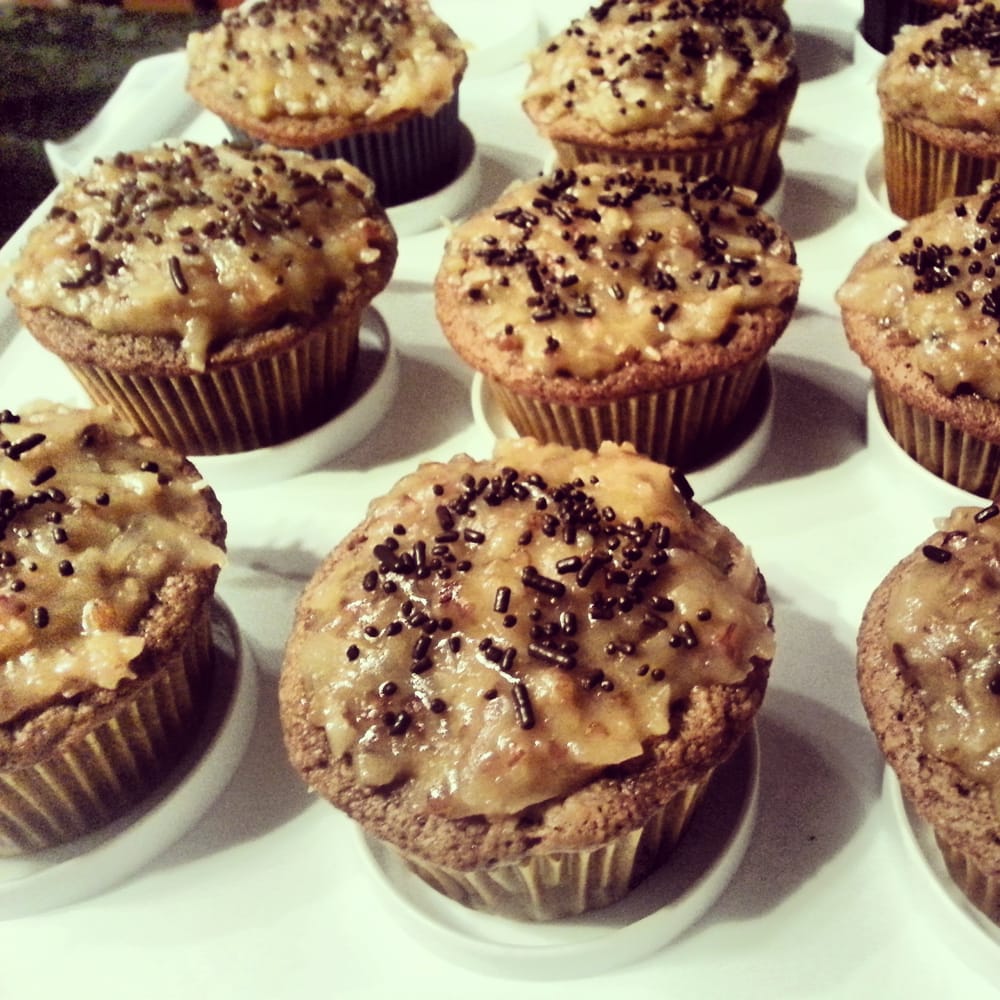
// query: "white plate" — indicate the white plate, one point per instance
point(967, 930)
point(662, 906)
point(91, 864)
point(372, 389)
point(445, 204)
point(890, 456)
point(708, 481)
point(873, 199)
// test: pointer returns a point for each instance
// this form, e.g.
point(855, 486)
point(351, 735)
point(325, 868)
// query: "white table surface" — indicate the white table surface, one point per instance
point(267, 896)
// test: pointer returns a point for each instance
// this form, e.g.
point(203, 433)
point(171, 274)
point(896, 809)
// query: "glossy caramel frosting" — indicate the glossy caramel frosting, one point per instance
point(932, 289)
point(205, 244)
point(942, 626)
point(585, 271)
point(92, 522)
point(496, 633)
point(681, 67)
point(945, 71)
point(360, 62)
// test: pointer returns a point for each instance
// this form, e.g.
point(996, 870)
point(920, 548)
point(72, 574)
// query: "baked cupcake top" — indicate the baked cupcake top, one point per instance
point(343, 61)
point(206, 244)
point(941, 625)
point(678, 67)
point(945, 71)
point(96, 525)
point(496, 633)
point(931, 294)
point(584, 272)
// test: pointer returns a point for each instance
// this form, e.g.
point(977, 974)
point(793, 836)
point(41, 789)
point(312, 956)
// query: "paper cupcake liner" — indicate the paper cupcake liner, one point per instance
point(103, 773)
point(257, 402)
point(568, 883)
point(683, 426)
point(415, 158)
point(883, 18)
point(918, 173)
point(749, 163)
point(951, 454)
point(981, 888)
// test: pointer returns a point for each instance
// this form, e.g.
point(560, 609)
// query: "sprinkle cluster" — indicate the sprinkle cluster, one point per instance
point(940, 266)
point(730, 26)
point(560, 285)
point(336, 33)
point(614, 573)
point(977, 27)
point(154, 186)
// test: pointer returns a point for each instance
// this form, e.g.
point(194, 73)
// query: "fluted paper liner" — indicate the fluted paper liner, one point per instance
point(255, 403)
point(106, 771)
point(568, 883)
point(918, 173)
point(950, 453)
point(748, 163)
point(414, 158)
point(981, 888)
point(682, 426)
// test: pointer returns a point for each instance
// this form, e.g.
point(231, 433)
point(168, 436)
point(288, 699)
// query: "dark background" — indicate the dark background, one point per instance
point(57, 67)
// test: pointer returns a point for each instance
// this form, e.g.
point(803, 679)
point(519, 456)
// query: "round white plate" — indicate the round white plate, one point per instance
point(372, 389)
point(708, 481)
point(662, 906)
point(970, 933)
point(873, 199)
point(890, 456)
point(91, 864)
point(443, 205)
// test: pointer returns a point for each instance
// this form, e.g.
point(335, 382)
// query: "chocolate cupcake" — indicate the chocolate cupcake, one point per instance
point(213, 296)
point(601, 303)
point(921, 309)
point(927, 670)
point(696, 87)
point(941, 109)
point(373, 83)
point(521, 673)
point(110, 546)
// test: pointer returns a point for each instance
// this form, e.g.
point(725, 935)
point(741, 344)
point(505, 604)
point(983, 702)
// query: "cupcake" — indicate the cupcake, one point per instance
point(212, 296)
point(698, 87)
point(882, 19)
point(601, 303)
point(519, 674)
point(374, 83)
point(927, 669)
point(921, 310)
point(110, 546)
point(940, 108)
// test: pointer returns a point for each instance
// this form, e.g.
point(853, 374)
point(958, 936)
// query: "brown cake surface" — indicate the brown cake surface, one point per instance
point(109, 553)
point(301, 73)
point(599, 282)
point(928, 677)
point(524, 655)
